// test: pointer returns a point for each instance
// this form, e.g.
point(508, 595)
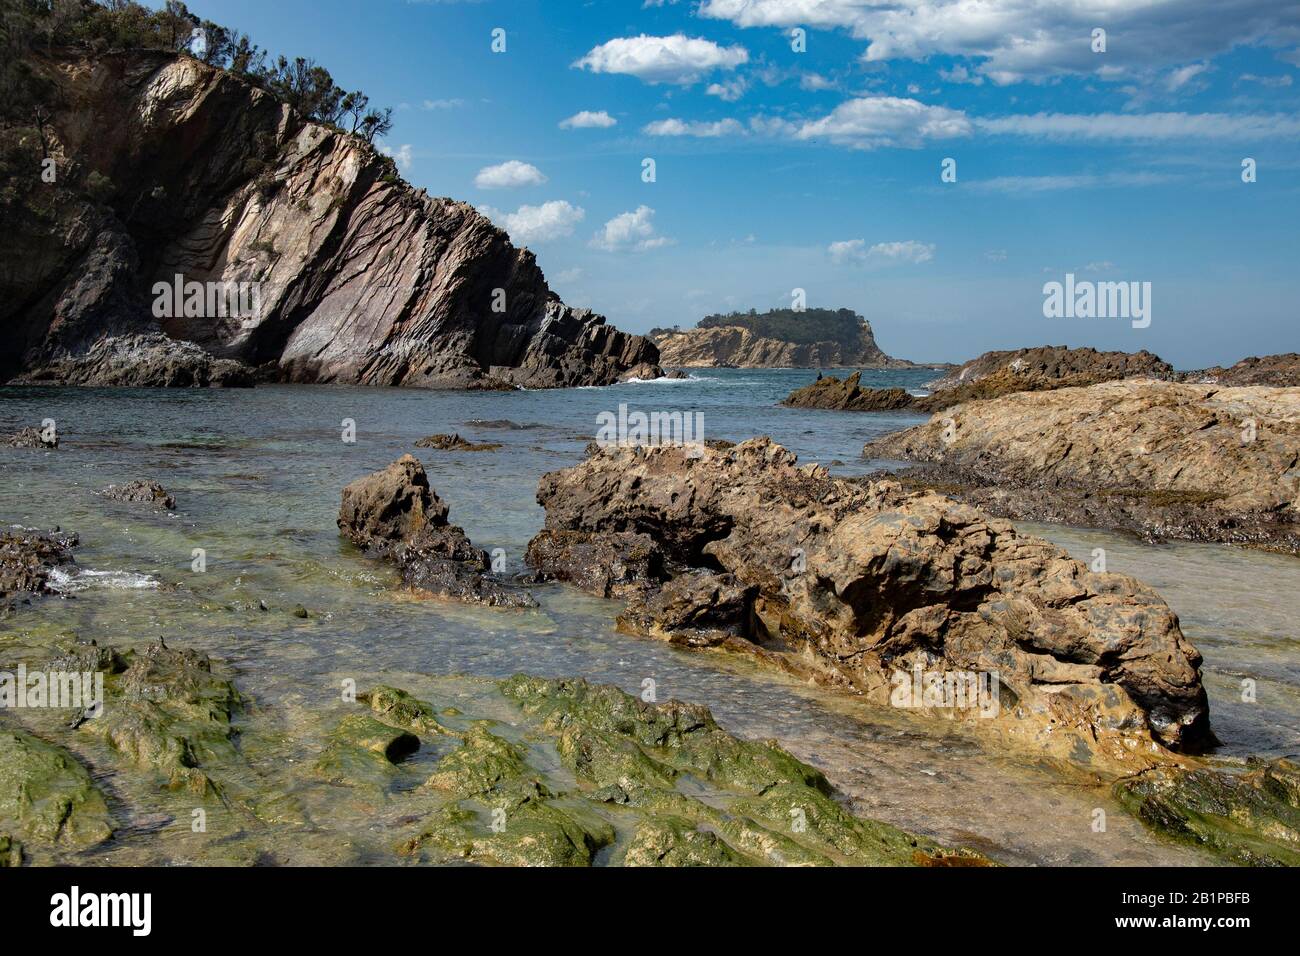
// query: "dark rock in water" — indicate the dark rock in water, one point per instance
point(609, 566)
point(31, 438)
point(299, 611)
point(28, 557)
point(1249, 816)
point(848, 395)
point(330, 267)
point(865, 586)
point(394, 514)
point(455, 443)
point(1163, 459)
point(141, 491)
point(147, 360)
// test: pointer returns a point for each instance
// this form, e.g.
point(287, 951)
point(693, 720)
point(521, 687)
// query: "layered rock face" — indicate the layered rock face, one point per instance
point(1166, 459)
point(318, 263)
point(1280, 370)
point(394, 514)
point(734, 346)
point(856, 584)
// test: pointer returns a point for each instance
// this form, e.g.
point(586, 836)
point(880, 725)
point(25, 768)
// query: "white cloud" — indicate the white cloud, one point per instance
point(402, 155)
point(729, 90)
point(441, 104)
point(1032, 39)
point(550, 220)
point(509, 175)
point(1283, 79)
point(569, 275)
point(630, 231)
point(871, 121)
point(1180, 77)
point(1144, 126)
point(856, 251)
point(996, 255)
point(1023, 185)
point(959, 74)
point(815, 82)
point(676, 127)
point(588, 120)
point(675, 59)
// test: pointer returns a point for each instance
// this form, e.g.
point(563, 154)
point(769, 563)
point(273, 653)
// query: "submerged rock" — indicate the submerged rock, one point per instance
point(27, 559)
point(455, 443)
point(141, 491)
point(897, 596)
point(362, 750)
point(31, 438)
point(394, 514)
point(1249, 816)
point(47, 797)
point(1163, 459)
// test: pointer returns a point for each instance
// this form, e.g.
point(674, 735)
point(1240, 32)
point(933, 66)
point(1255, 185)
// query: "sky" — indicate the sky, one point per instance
point(803, 145)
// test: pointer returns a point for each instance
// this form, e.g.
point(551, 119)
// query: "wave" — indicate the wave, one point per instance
point(82, 579)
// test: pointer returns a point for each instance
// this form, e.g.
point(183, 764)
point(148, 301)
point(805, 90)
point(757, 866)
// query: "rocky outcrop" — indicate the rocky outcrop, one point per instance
point(738, 347)
point(47, 796)
point(28, 557)
point(1163, 459)
point(847, 395)
point(1278, 370)
point(893, 595)
point(141, 491)
point(148, 360)
point(1057, 362)
point(317, 262)
point(394, 514)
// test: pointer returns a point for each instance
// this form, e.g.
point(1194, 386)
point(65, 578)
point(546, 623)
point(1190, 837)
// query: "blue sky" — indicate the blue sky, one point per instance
point(821, 170)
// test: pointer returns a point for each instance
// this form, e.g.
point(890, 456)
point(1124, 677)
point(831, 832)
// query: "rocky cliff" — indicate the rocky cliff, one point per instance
point(333, 269)
point(734, 346)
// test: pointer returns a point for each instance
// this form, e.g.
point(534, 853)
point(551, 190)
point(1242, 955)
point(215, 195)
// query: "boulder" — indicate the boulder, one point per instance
point(28, 557)
point(870, 588)
point(395, 515)
point(141, 491)
point(848, 395)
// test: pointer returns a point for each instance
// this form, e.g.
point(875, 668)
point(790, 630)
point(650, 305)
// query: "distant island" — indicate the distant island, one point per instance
point(779, 338)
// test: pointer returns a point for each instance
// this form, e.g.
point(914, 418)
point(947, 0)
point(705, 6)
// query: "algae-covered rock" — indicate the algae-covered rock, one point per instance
point(11, 851)
point(363, 751)
point(525, 827)
point(395, 706)
point(1250, 817)
point(169, 713)
point(481, 763)
point(47, 796)
point(678, 842)
point(682, 737)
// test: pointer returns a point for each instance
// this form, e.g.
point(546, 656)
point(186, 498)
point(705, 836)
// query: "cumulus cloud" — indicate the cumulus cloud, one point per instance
point(630, 231)
point(676, 59)
point(509, 175)
point(588, 120)
point(1029, 39)
point(677, 127)
point(550, 220)
point(729, 90)
point(857, 252)
point(871, 121)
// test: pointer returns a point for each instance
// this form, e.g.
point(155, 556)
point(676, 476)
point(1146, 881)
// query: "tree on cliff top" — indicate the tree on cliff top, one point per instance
point(842, 326)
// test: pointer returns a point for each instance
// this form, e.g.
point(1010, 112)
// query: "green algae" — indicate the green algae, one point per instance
point(363, 751)
point(1249, 817)
point(47, 796)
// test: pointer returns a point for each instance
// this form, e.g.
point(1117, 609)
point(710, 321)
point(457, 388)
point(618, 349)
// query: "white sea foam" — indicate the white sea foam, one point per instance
point(81, 579)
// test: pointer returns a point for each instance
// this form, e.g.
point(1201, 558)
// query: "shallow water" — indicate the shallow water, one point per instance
point(257, 476)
